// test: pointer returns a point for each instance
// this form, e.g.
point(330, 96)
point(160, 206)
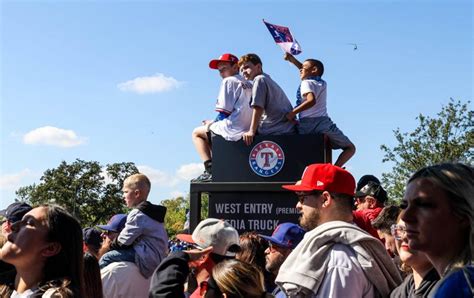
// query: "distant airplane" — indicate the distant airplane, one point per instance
point(353, 44)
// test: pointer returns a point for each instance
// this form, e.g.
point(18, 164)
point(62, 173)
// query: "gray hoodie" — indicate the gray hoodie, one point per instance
point(307, 263)
point(145, 231)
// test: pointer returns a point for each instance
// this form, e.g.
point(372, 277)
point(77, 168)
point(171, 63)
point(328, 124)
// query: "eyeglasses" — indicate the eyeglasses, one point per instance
point(398, 231)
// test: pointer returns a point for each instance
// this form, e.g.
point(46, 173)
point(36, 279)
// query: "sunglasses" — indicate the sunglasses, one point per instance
point(302, 196)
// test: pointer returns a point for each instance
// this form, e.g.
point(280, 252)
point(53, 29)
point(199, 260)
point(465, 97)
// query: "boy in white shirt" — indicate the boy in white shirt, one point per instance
point(234, 112)
point(311, 107)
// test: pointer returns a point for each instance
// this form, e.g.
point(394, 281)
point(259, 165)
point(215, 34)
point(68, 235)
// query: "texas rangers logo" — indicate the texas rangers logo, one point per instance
point(266, 159)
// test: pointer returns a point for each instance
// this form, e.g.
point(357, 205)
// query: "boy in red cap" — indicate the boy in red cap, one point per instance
point(234, 112)
point(336, 258)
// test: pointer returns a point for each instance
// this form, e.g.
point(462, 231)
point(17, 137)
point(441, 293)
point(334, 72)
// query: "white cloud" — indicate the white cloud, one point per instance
point(153, 84)
point(190, 171)
point(53, 136)
point(158, 177)
point(13, 181)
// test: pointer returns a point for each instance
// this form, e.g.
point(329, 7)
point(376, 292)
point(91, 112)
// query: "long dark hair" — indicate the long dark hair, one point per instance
point(92, 279)
point(68, 265)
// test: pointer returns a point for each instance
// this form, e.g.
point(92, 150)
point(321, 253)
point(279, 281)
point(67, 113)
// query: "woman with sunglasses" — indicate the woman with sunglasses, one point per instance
point(439, 217)
point(46, 249)
point(422, 276)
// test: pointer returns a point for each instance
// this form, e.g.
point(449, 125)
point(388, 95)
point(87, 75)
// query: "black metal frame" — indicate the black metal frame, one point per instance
point(212, 187)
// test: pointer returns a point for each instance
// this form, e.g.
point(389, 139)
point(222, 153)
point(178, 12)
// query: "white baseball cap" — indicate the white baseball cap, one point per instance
point(217, 233)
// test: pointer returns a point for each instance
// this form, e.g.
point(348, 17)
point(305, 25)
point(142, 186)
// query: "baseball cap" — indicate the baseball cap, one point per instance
point(223, 58)
point(115, 224)
point(373, 189)
point(286, 235)
point(325, 177)
point(366, 179)
point(15, 211)
point(216, 233)
point(92, 237)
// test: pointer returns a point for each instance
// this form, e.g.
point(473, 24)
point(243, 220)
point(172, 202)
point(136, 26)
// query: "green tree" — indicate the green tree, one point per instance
point(176, 213)
point(449, 137)
point(81, 188)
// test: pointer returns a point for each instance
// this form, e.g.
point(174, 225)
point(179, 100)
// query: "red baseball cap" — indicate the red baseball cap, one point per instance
point(325, 177)
point(223, 58)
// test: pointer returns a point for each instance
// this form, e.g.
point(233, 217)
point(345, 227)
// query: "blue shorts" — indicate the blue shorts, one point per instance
point(326, 126)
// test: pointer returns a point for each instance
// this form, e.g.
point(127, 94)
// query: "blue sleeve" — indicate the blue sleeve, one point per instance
point(457, 284)
point(221, 116)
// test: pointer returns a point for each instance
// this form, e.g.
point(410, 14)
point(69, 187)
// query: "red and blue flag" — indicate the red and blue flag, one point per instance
point(283, 38)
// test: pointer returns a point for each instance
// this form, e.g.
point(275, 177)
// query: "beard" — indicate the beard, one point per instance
point(309, 219)
point(274, 264)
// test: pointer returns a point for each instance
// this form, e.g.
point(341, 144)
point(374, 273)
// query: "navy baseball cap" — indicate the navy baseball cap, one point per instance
point(286, 235)
point(92, 237)
point(115, 224)
point(15, 211)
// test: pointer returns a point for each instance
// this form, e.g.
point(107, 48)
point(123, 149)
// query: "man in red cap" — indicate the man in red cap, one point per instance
point(336, 258)
point(234, 112)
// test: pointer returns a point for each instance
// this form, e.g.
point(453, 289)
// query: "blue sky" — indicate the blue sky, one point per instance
point(128, 81)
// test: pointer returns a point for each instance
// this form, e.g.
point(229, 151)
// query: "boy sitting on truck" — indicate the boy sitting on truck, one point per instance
point(311, 107)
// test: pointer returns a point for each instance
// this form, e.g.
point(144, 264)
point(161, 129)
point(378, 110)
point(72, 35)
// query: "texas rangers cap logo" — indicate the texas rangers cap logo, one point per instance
point(266, 159)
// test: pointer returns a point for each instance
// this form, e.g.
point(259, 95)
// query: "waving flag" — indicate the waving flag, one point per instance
point(283, 38)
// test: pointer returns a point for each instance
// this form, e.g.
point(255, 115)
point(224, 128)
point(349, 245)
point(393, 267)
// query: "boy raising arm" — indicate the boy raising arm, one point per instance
point(311, 107)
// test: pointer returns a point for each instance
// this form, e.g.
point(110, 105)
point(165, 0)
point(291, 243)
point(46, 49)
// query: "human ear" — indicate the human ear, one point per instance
point(327, 199)
point(51, 249)
point(137, 193)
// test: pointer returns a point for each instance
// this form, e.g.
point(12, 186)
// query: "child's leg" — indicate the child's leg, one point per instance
point(202, 143)
point(336, 136)
point(125, 255)
point(345, 155)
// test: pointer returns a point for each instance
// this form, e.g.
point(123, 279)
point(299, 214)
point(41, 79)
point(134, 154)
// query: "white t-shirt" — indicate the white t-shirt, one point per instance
point(344, 276)
point(234, 99)
point(32, 293)
point(318, 88)
point(123, 280)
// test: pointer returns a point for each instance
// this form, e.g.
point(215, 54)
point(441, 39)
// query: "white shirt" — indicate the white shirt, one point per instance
point(344, 276)
point(123, 280)
point(234, 99)
point(31, 293)
point(318, 88)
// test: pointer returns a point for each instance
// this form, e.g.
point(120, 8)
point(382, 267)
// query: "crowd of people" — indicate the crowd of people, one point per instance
point(421, 248)
point(349, 242)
